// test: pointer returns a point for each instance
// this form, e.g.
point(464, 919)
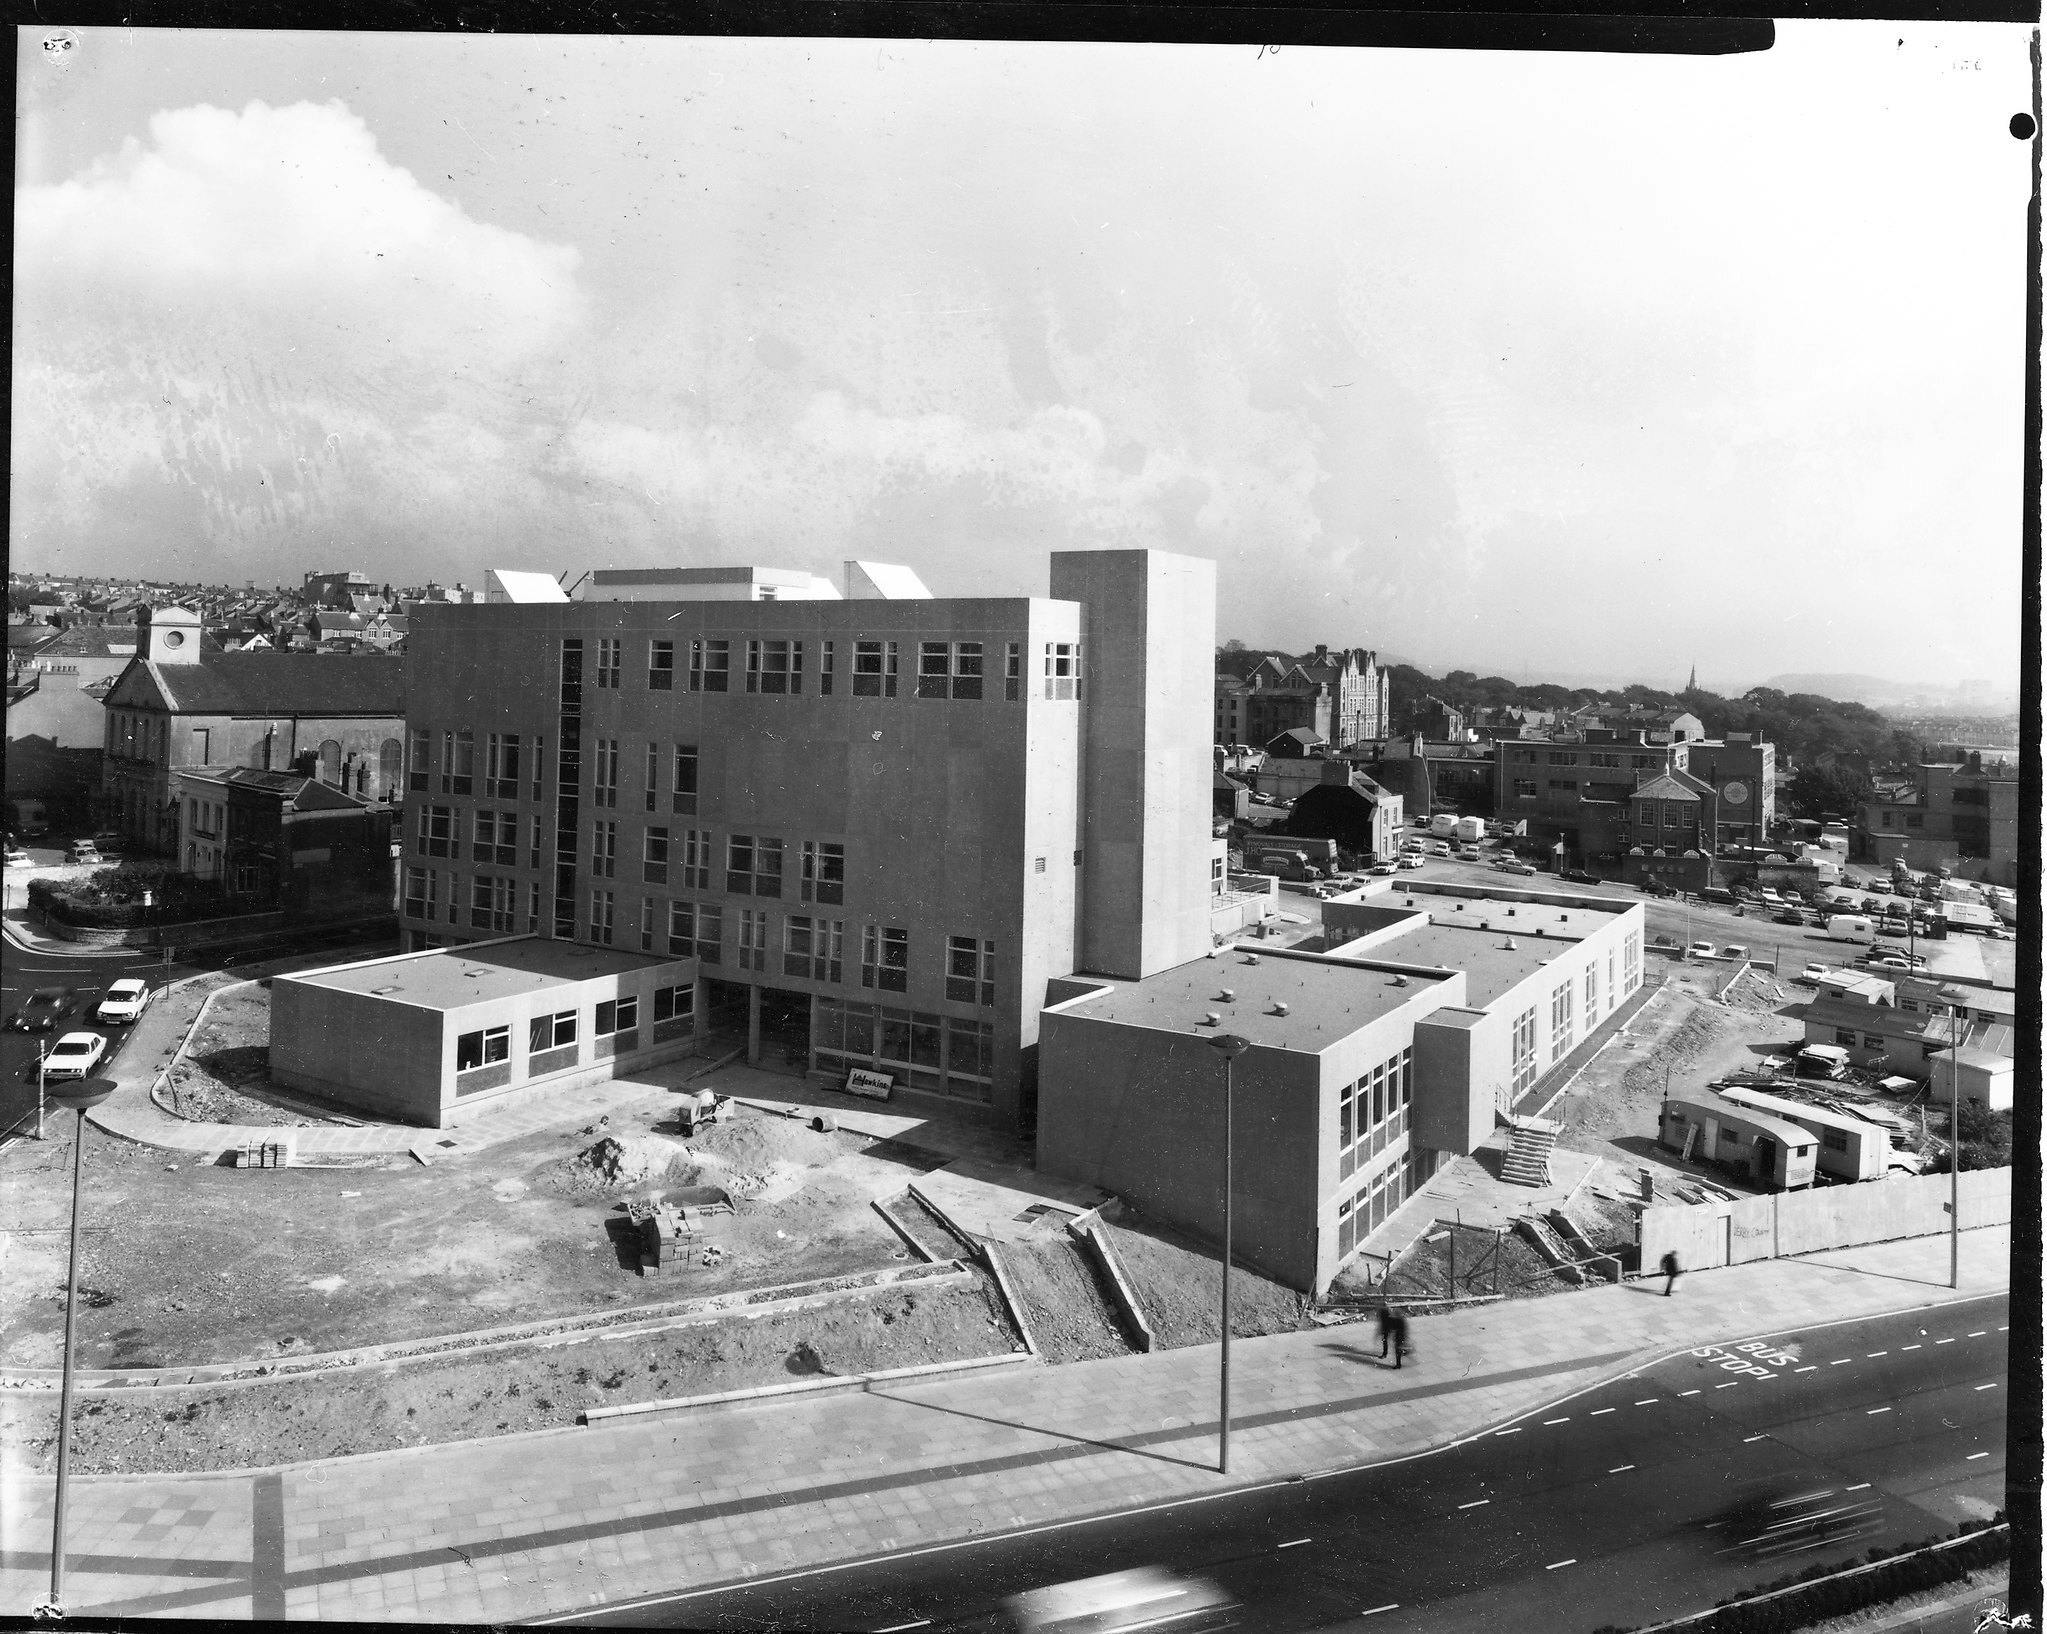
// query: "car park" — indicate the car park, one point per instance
point(125, 1000)
point(74, 1055)
point(46, 1007)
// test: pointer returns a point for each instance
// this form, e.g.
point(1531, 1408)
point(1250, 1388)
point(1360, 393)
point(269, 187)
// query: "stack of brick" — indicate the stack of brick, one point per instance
point(266, 1154)
point(664, 1239)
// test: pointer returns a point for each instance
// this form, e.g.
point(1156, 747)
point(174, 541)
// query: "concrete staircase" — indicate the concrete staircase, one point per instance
point(1527, 1159)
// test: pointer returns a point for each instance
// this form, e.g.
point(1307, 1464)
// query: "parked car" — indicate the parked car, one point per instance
point(75, 1055)
point(1412, 860)
point(1734, 950)
point(1790, 916)
point(1384, 868)
point(125, 1001)
point(1700, 950)
point(1892, 963)
point(1470, 854)
point(46, 1007)
point(19, 859)
point(1869, 904)
point(1512, 865)
point(1716, 893)
point(1814, 973)
point(1440, 849)
point(1578, 876)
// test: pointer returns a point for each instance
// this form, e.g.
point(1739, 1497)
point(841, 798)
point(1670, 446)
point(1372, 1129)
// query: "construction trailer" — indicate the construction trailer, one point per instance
point(1851, 1147)
point(1702, 1127)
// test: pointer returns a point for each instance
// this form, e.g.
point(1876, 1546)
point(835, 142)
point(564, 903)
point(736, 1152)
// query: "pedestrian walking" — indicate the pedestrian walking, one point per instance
point(1392, 1334)
point(1669, 1272)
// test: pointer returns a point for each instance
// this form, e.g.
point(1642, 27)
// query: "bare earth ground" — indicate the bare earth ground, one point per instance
point(412, 1404)
point(1178, 1282)
point(207, 1264)
point(227, 1057)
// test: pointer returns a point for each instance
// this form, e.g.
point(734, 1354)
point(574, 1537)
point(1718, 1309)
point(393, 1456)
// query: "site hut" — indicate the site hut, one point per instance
point(1885, 1038)
point(871, 824)
point(1986, 1077)
point(1772, 1151)
point(1850, 1147)
point(427, 1037)
point(1370, 1062)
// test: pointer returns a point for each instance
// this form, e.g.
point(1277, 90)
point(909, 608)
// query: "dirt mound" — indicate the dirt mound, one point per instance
point(1064, 1302)
point(631, 1160)
point(1178, 1283)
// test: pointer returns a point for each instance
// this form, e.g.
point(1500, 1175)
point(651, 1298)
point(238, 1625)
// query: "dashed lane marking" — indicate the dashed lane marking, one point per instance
point(1745, 1440)
point(1549, 1421)
point(1871, 1356)
point(1729, 1385)
point(1974, 1456)
point(1861, 1487)
point(1515, 1431)
point(1646, 1400)
point(1810, 1367)
point(898, 1628)
point(1598, 1410)
point(1390, 1605)
point(1978, 1333)
point(1688, 1392)
point(1618, 1468)
point(1943, 1341)
point(1477, 1503)
point(1297, 1542)
point(1553, 1565)
point(1874, 1411)
point(1986, 1387)
point(1841, 1361)
point(1913, 1347)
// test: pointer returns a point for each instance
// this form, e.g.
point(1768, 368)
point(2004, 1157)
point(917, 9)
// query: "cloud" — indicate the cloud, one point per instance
point(291, 217)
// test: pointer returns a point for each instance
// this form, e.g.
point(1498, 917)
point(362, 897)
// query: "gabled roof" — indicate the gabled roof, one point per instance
point(1663, 786)
point(265, 683)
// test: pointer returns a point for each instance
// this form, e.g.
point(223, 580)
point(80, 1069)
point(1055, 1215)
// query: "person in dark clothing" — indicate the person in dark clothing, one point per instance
point(1392, 1333)
point(1669, 1272)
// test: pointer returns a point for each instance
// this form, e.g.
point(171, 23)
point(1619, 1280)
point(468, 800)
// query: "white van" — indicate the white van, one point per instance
point(1850, 927)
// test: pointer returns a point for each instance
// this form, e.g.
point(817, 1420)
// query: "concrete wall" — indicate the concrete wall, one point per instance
point(1147, 764)
point(1140, 1113)
point(1459, 1074)
point(1704, 1235)
point(357, 1048)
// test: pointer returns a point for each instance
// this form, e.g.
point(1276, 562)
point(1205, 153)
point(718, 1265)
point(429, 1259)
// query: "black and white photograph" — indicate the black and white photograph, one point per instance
point(1038, 835)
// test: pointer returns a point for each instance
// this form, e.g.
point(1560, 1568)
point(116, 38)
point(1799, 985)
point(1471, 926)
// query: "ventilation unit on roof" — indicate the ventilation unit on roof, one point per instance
point(1510, 913)
point(1211, 1020)
point(1250, 958)
point(1279, 1007)
point(1229, 995)
point(1399, 981)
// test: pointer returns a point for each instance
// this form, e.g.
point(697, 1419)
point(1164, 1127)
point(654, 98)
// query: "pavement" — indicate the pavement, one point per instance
point(511, 1528)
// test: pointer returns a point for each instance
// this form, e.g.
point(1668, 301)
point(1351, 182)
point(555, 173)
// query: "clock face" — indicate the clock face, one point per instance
point(1735, 794)
point(174, 638)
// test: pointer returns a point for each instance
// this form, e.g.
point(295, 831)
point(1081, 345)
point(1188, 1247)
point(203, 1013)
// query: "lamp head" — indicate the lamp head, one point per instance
point(84, 1094)
point(1230, 1044)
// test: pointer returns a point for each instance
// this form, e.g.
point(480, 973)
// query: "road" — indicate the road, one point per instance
point(1643, 1499)
point(88, 977)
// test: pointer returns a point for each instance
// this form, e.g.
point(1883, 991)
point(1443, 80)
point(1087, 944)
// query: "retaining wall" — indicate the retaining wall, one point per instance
point(1704, 1235)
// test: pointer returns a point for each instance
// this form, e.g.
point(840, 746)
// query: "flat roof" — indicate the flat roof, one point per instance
point(1471, 934)
point(1326, 1000)
point(453, 977)
point(1792, 1110)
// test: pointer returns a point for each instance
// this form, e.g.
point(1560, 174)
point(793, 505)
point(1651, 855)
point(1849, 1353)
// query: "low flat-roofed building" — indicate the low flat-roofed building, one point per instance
point(1850, 1148)
point(1707, 1128)
point(1853, 987)
point(1985, 1077)
point(427, 1037)
point(1410, 1036)
point(1888, 1039)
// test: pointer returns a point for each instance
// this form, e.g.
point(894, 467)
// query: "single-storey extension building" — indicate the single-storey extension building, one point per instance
point(427, 1037)
point(1850, 1148)
point(1890, 1039)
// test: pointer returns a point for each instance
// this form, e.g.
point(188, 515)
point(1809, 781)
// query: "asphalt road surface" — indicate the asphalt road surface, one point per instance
point(87, 978)
point(1660, 1494)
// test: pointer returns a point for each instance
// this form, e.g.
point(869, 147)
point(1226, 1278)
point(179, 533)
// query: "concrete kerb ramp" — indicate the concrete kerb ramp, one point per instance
point(1785, 1224)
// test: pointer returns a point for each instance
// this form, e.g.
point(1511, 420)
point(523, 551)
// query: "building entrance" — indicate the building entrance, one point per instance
point(785, 1031)
point(725, 1014)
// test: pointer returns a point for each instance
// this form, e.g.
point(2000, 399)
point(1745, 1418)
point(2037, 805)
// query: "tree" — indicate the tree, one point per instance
point(1825, 791)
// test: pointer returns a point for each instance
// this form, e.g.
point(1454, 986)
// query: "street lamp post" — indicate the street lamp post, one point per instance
point(80, 1097)
point(1230, 1045)
point(42, 1056)
point(1954, 1157)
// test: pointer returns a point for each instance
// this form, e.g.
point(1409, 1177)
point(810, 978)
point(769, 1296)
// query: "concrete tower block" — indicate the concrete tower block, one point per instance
point(1148, 674)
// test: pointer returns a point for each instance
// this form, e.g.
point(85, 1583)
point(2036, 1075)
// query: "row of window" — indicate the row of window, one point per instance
point(941, 1055)
point(559, 1030)
point(1595, 757)
point(1373, 1112)
point(773, 666)
point(1623, 976)
point(1374, 1201)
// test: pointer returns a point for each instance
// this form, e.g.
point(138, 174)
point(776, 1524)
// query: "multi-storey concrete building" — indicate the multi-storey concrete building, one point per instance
point(869, 830)
point(1962, 817)
point(180, 706)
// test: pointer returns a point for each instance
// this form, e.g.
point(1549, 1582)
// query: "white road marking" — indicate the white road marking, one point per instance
point(1841, 1361)
point(1874, 1411)
point(1872, 1355)
point(1986, 1387)
point(1914, 1347)
point(1863, 1487)
point(1476, 1504)
point(1598, 1410)
point(1729, 1385)
point(1618, 1468)
point(1555, 1564)
point(1297, 1542)
point(1515, 1431)
point(1810, 1367)
point(897, 1628)
point(1688, 1392)
point(1549, 1421)
point(1646, 1400)
point(1745, 1440)
point(1390, 1605)
point(2003, 1328)
point(1974, 1456)
point(1943, 1341)
point(1978, 1333)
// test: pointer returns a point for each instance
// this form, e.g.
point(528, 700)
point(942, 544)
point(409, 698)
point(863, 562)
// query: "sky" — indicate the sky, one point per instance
point(1526, 364)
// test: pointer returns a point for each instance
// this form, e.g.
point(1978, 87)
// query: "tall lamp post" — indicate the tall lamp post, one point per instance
point(1230, 1045)
point(81, 1097)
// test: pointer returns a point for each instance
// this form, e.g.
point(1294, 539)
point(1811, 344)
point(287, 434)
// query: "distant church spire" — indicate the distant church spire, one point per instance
point(1692, 685)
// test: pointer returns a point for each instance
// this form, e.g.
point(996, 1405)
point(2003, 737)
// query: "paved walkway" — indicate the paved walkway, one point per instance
point(508, 1529)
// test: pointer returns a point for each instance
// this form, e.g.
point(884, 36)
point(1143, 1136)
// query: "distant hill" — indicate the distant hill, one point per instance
point(1878, 693)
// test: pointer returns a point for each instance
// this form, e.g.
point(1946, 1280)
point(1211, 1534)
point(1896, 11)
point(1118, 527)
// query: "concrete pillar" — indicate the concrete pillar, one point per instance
point(753, 1026)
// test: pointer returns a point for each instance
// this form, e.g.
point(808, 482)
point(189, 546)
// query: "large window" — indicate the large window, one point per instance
point(604, 772)
point(482, 1048)
point(949, 669)
point(710, 665)
point(661, 666)
point(654, 862)
point(677, 1003)
point(774, 666)
point(1631, 963)
point(458, 761)
point(1563, 757)
point(419, 893)
point(937, 1055)
point(696, 859)
point(496, 837)
point(753, 938)
point(1525, 789)
point(418, 751)
point(1560, 1022)
point(607, 661)
point(1524, 1053)
point(824, 871)
point(604, 848)
point(1372, 1112)
point(814, 948)
point(1012, 672)
point(885, 958)
point(1591, 991)
point(550, 1032)
point(682, 787)
point(437, 830)
point(969, 970)
point(501, 766)
point(603, 915)
point(874, 669)
point(827, 659)
point(1062, 669)
point(616, 1016)
point(753, 866)
point(696, 930)
point(493, 903)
